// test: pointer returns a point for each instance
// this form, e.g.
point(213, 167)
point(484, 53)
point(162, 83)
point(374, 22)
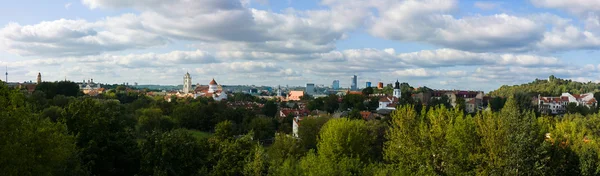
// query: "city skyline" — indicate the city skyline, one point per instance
point(450, 44)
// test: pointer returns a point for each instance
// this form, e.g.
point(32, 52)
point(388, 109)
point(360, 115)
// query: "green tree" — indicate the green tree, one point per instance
point(270, 109)
point(149, 120)
point(224, 130)
point(309, 130)
point(30, 145)
point(175, 152)
point(229, 156)
point(105, 134)
point(368, 91)
point(263, 128)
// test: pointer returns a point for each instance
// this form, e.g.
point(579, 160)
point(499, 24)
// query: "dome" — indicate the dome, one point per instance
point(213, 82)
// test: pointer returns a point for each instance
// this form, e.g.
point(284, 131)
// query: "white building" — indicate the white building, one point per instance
point(213, 90)
point(187, 83)
point(558, 105)
point(390, 102)
point(88, 86)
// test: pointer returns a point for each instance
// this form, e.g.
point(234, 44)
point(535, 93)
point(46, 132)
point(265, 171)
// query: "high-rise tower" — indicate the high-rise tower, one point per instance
point(39, 78)
point(354, 85)
point(187, 83)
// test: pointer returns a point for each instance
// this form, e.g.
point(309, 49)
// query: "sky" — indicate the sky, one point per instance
point(441, 44)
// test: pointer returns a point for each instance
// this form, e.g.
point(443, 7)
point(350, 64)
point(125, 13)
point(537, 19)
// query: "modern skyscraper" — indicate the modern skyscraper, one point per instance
point(368, 84)
point(336, 84)
point(310, 88)
point(353, 86)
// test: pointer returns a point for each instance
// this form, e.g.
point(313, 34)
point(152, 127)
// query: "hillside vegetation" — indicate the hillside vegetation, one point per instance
point(551, 87)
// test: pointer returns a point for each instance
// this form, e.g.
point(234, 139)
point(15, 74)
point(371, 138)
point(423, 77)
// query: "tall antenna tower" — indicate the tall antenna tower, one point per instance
point(6, 75)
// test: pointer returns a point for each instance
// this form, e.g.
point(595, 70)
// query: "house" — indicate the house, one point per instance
point(388, 102)
point(295, 95)
point(287, 112)
point(366, 115)
point(558, 105)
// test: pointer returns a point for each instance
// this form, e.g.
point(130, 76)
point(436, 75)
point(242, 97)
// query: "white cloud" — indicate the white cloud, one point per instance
point(572, 6)
point(485, 5)
point(231, 22)
point(452, 57)
point(456, 73)
point(77, 37)
point(418, 72)
point(67, 6)
point(429, 21)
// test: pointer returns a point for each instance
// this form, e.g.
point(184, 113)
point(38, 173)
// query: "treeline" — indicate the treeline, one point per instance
point(551, 87)
point(85, 136)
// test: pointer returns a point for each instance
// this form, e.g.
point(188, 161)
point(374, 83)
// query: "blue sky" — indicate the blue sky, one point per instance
point(444, 44)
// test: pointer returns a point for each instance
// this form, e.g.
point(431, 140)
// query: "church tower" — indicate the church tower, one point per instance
point(39, 78)
point(187, 83)
point(397, 92)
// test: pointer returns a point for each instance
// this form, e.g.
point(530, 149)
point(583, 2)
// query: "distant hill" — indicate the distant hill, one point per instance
point(551, 87)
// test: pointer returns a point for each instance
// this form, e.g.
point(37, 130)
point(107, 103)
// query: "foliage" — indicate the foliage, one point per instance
point(270, 109)
point(551, 87)
point(309, 130)
point(105, 135)
point(51, 89)
point(173, 153)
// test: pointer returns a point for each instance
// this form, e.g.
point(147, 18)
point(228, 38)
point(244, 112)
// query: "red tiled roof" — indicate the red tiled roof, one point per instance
point(365, 114)
point(213, 82)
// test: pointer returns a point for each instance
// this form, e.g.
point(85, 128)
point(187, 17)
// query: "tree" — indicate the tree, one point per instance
point(309, 130)
point(270, 108)
point(368, 91)
point(152, 120)
point(32, 145)
point(224, 130)
point(263, 128)
point(229, 156)
point(175, 152)
point(105, 134)
point(193, 116)
point(344, 148)
point(51, 89)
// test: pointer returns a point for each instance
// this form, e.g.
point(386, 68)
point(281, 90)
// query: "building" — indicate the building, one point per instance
point(558, 105)
point(335, 85)
point(354, 85)
point(89, 86)
point(213, 90)
point(39, 78)
point(473, 99)
point(397, 91)
point(187, 83)
point(295, 95)
point(380, 85)
point(310, 89)
point(368, 84)
point(390, 102)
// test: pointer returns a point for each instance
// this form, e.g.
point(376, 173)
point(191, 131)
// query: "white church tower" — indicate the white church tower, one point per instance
point(397, 92)
point(187, 83)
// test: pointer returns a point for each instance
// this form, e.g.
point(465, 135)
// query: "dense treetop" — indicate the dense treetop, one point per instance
point(551, 87)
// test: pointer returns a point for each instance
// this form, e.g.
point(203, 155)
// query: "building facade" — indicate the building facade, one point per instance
point(335, 85)
point(354, 85)
point(310, 89)
point(368, 84)
point(558, 105)
point(187, 83)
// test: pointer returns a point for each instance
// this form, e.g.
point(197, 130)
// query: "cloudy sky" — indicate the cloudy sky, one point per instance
point(449, 44)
